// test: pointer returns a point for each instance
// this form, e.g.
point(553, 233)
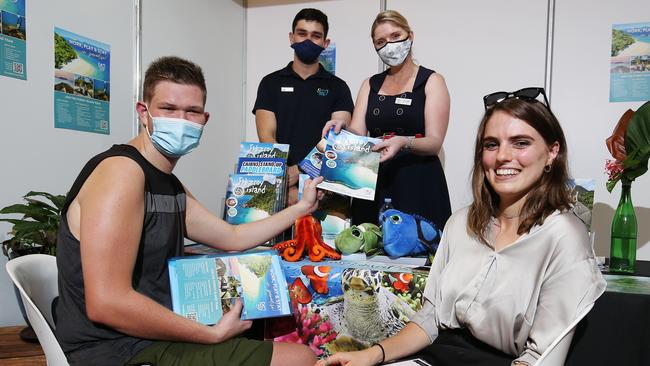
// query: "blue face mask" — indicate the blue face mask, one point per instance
point(174, 137)
point(307, 51)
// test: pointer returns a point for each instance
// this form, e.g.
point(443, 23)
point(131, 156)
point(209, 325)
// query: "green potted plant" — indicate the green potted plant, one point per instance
point(35, 232)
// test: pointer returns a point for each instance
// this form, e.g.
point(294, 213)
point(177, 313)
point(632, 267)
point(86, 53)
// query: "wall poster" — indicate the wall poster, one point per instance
point(81, 83)
point(328, 58)
point(13, 39)
point(630, 63)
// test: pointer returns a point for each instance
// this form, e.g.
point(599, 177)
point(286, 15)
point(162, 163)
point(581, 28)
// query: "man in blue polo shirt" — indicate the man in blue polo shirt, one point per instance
point(294, 103)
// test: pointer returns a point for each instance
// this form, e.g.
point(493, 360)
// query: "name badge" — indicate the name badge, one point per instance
point(287, 89)
point(403, 101)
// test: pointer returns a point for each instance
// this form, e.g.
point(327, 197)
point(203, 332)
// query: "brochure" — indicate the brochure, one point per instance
point(250, 197)
point(350, 167)
point(265, 158)
point(334, 212)
point(203, 288)
point(312, 163)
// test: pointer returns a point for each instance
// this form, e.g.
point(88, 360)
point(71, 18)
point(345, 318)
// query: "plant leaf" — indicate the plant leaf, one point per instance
point(611, 184)
point(637, 141)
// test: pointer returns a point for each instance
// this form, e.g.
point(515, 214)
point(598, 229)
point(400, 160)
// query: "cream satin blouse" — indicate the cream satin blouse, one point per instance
point(518, 299)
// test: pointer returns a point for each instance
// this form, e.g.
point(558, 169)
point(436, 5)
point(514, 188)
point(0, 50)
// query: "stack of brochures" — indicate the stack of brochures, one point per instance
point(257, 189)
point(203, 288)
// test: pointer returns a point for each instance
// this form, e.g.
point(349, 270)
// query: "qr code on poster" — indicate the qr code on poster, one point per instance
point(17, 67)
point(191, 316)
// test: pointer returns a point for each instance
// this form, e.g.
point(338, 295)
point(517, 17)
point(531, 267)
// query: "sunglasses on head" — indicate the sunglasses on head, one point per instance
point(525, 93)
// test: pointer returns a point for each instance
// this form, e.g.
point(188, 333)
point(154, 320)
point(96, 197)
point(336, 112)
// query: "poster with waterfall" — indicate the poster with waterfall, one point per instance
point(13, 39)
point(203, 288)
point(81, 83)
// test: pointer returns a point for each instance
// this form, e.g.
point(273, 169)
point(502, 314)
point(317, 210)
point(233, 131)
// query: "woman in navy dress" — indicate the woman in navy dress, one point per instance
point(408, 106)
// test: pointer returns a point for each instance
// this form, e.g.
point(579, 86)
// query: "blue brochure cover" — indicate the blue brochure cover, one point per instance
point(203, 288)
point(350, 166)
point(250, 197)
point(313, 162)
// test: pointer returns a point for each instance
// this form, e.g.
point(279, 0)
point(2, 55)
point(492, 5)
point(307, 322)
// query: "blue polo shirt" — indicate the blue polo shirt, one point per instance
point(302, 107)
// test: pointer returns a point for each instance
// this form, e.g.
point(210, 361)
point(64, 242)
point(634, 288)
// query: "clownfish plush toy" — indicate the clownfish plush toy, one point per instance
point(405, 234)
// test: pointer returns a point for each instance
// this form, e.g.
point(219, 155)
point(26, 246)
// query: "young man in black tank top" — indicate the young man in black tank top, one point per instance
point(126, 215)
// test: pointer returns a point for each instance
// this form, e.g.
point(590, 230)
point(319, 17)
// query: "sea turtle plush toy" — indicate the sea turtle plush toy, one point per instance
point(366, 237)
point(405, 234)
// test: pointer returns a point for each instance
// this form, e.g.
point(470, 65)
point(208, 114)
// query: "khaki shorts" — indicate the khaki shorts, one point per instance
point(233, 352)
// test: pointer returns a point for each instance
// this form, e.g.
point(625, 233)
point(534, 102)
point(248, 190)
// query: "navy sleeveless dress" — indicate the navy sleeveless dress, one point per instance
point(415, 184)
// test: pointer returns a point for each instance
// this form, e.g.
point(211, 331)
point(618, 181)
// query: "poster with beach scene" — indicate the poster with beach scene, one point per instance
point(13, 39)
point(582, 192)
point(81, 83)
point(630, 63)
point(327, 58)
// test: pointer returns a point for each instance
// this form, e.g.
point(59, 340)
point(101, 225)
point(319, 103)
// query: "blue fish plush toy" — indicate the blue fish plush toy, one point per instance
point(406, 234)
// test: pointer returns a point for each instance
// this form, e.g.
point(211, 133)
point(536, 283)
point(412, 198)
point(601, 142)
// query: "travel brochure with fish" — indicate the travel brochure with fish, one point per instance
point(250, 197)
point(350, 166)
point(203, 288)
point(342, 305)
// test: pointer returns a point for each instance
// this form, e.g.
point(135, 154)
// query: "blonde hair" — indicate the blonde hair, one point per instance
point(392, 16)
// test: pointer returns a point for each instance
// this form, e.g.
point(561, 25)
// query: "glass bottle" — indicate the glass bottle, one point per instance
point(388, 204)
point(624, 231)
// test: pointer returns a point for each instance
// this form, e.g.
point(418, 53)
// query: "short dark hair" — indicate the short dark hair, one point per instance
point(311, 15)
point(174, 69)
point(549, 194)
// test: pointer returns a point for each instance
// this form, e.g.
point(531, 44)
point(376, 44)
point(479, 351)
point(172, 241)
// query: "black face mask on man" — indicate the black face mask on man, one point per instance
point(307, 51)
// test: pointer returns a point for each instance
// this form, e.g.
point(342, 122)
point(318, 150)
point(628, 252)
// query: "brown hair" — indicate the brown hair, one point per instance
point(392, 16)
point(174, 69)
point(311, 15)
point(550, 194)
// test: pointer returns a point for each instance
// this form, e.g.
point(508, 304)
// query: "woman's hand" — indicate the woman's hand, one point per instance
point(388, 148)
point(310, 196)
point(337, 124)
point(366, 357)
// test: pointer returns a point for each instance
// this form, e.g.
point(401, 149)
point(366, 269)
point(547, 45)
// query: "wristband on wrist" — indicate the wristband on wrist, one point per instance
point(409, 143)
point(383, 353)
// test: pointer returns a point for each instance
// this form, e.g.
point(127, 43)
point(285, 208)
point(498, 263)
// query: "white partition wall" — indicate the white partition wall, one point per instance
point(479, 47)
point(210, 33)
point(33, 154)
point(580, 87)
point(267, 48)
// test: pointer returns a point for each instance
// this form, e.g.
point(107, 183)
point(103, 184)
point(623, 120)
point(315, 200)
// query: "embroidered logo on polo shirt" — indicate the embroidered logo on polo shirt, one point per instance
point(322, 92)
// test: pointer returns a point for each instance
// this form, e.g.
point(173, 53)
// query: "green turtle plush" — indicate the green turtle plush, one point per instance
point(366, 237)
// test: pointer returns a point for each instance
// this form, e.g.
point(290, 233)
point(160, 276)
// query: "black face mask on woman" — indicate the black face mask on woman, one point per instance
point(307, 51)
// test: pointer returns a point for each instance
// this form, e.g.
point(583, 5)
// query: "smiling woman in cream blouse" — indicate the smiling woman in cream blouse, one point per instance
point(515, 268)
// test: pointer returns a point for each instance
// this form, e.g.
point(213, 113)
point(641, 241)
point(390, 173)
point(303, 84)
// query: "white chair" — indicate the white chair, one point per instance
point(556, 353)
point(35, 275)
